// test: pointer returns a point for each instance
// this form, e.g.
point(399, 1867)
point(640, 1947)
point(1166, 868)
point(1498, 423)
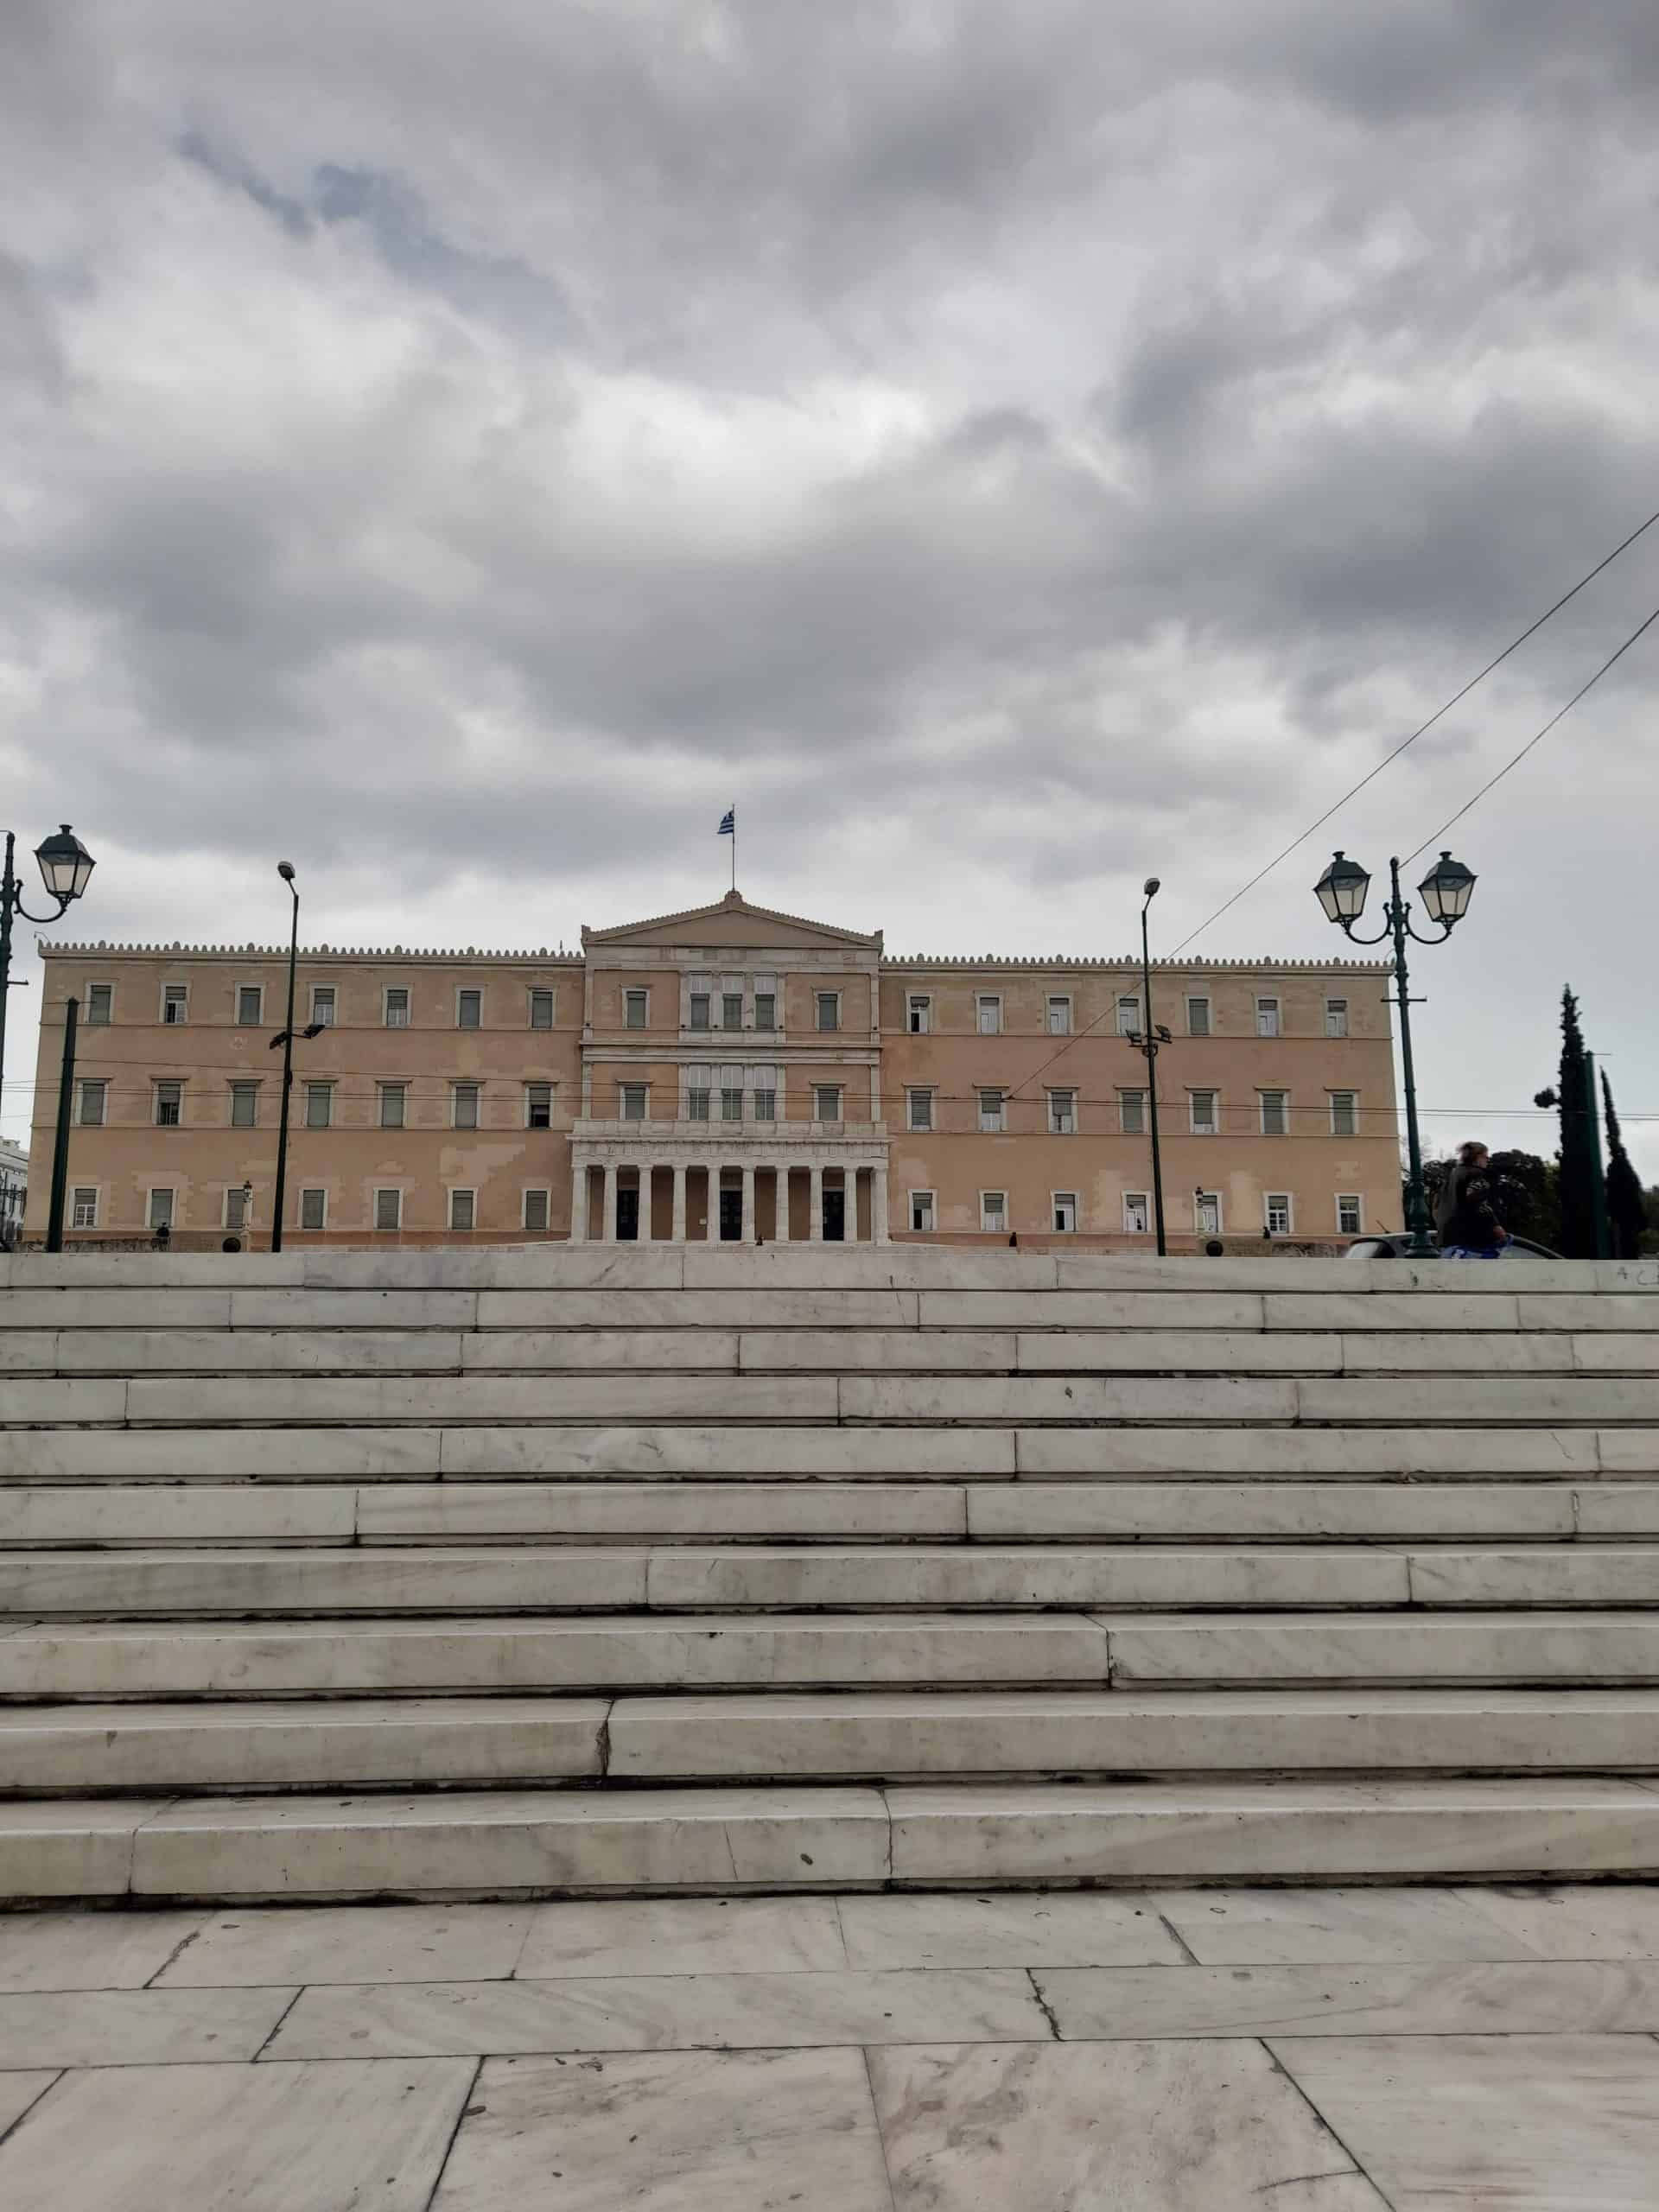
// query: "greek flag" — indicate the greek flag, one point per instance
point(728, 822)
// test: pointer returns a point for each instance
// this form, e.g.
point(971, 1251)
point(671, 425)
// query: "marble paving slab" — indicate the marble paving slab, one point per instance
point(1127, 2127)
point(685, 1935)
point(741, 2012)
point(137, 2027)
point(90, 1950)
point(19, 2091)
point(956, 1930)
point(1581, 1920)
point(1516, 2124)
point(355, 1944)
point(1521, 1998)
point(776, 2131)
point(344, 2138)
point(1359, 1926)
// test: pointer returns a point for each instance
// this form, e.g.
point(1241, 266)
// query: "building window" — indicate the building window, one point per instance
point(396, 1009)
point(159, 1211)
point(541, 1010)
point(245, 1105)
point(1348, 1214)
point(918, 1019)
point(1267, 1017)
point(633, 1100)
point(699, 1010)
point(1065, 1212)
point(921, 1211)
point(1203, 1118)
point(388, 1209)
point(1062, 1113)
point(538, 1105)
point(322, 1004)
point(1277, 1213)
point(731, 1102)
point(1059, 1015)
point(636, 1006)
point(176, 1003)
point(464, 1105)
point(829, 1009)
point(100, 1005)
point(826, 1100)
point(994, 1211)
point(1344, 1113)
point(1206, 1212)
point(84, 1208)
point(169, 1105)
point(1137, 1213)
point(992, 1111)
point(1128, 1016)
point(766, 1101)
point(918, 1109)
point(988, 1015)
point(469, 1009)
point(394, 1105)
point(1198, 1017)
point(697, 1098)
point(766, 1010)
point(94, 1099)
point(1132, 1112)
point(249, 1005)
point(238, 1207)
point(463, 1207)
point(319, 1105)
point(313, 1209)
point(1335, 1017)
point(1275, 1113)
point(731, 1009)
point(537, 1209)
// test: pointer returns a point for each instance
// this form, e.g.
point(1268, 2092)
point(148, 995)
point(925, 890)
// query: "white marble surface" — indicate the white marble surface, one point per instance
point(770, 2131)
point(1036, 1398)
point(1504, 1399)
point(238, 2138)
point(355, 1944)
point(705, 1452)
point(1057, 1928)
point(683, 1935)
point(170, 1513)
point(320, 1580)
point(548, 1350)
point(1131, 2128)
point(1574, 1920)
point(1244, 1926)
point(1176, 1351)
point(137, 2027)
point(1322, 1511)
point(78, 1848)
point(1449, 1647)
point(1539, 1575)
point(799, 1511)
point(90, 1950)
point(18, 2092)
point(656, 2013)
point(137, 1454)
point(447, 1397)
point(1339, 1455)
point(1525, 2123)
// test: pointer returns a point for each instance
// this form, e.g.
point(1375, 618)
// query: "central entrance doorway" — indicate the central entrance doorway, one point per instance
point(627, 1214)
point(731, 1216)
point(835, 1217)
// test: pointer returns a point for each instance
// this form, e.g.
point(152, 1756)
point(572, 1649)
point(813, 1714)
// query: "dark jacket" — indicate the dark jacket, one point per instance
point(1468, 1212)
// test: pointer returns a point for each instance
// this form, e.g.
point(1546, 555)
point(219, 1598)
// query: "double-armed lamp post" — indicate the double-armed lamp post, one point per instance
point(1151, 1040)
point(285, 1038)
point(1445, 891)
point(66, 868)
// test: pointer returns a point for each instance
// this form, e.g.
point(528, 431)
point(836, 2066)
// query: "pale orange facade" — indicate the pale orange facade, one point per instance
point(727, 1073)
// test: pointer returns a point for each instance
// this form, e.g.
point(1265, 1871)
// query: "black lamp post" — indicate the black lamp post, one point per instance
point(65, 869)
point(285, 870)
point(1151, 1041)
point(1445, 891)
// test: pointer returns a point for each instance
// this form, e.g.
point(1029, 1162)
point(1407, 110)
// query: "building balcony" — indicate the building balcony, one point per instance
point(715, 1135)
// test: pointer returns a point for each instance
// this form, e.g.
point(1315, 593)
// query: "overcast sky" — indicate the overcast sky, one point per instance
point(1005, 448)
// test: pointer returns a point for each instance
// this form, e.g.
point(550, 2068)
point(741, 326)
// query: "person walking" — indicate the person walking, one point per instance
point(1467, 1215)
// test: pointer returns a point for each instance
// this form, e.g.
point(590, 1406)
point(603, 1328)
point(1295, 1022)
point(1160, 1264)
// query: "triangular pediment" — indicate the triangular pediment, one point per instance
point(733, 921)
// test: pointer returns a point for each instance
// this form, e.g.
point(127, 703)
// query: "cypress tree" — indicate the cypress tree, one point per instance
point(1580, 1196)
point(1627, 1209)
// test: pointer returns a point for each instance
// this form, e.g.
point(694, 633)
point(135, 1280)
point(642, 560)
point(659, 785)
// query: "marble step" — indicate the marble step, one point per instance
point(317, 1744)
point(1129, 1732)
point(349, 1657)
point(315, 1580)
point(1472, 1647)
point(979, 1834)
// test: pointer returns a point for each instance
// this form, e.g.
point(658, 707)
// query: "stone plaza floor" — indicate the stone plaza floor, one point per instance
point(1290, 2051)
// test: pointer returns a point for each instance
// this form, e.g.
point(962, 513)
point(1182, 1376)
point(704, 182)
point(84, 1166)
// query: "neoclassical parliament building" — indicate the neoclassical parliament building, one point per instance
point(728, 1074)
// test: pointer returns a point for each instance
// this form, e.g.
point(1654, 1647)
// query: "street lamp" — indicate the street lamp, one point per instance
point(285, 870)
point(65, 869)
point(1445, 891)
point(1151, 1041)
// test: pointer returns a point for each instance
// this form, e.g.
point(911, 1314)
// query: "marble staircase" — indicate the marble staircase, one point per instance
point(349, 1575)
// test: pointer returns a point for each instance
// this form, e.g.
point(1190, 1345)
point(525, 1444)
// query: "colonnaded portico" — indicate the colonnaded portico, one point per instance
point(631, 1189)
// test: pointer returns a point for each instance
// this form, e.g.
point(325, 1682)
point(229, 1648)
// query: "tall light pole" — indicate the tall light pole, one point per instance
point(285, 870)
point(1151, 1040)
point(65, 869)
point(1445, 891)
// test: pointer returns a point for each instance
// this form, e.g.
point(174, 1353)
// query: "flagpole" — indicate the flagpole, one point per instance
point(733, 847)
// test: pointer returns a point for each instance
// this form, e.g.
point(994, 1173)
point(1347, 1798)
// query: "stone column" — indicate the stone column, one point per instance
point(579, 1203)
point(678, 1232)
point(711, 1205)
point(609, 1233)
point(815, 1204)
point(647, 1172)
point(850, 1202)
point(879, 1232)
point(748, 1202)
point(780, 1211)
